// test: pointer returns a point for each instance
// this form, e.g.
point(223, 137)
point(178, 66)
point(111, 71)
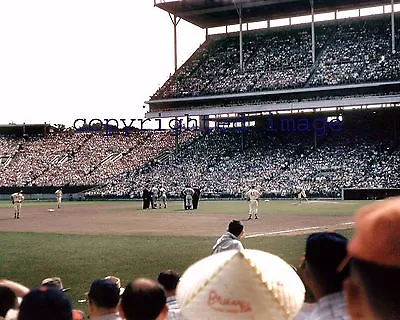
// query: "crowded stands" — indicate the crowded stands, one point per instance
point(347, 53)
point(220, 163)
point(77, 158)
point(225, 164)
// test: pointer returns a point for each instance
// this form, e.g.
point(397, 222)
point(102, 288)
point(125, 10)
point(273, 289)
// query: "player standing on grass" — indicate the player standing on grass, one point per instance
point(17, 198)
point(59, 195)
point(163, 196)
point(154, 197)
point(299, 190)
point(253, 197)
point(188, 193)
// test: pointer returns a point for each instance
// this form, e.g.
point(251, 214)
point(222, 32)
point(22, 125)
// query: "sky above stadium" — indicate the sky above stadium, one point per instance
point(62, 60)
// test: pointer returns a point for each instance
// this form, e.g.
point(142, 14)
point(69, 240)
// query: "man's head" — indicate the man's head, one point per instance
point(103, 297)
point(45, 303)
point(324, 253)
point(372, 289)
point(8, 300)
point(54, 282)
point(144, 299)
point(169, 280)
point(236, 228)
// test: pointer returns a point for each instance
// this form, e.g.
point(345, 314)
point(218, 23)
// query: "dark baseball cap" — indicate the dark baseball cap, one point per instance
point(326, 250)
point(104, 293)
point(45, 303)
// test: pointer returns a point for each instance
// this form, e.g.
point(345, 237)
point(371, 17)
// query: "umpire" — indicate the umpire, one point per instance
point(196, 197)
point(146, 198)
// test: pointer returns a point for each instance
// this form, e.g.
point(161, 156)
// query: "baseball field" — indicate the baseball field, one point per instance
point(83, 241)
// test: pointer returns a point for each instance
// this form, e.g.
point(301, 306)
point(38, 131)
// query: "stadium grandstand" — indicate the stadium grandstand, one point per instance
point(314, 104)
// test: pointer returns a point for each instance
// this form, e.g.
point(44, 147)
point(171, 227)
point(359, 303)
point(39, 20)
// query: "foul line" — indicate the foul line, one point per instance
point(297, 230)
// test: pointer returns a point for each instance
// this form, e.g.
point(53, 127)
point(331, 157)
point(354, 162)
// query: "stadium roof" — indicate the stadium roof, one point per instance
point(217, 13)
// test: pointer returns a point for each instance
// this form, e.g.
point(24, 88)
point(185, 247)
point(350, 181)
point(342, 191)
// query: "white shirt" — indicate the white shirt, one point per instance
point(253, 194)
point(18, 197)
point(227, 242)
point(110, 316)
point(188, 191)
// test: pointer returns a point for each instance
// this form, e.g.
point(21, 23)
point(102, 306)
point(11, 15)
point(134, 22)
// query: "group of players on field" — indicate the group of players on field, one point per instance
point(157, 197)
point(18, 198)
point(154, 197)
point(253, 197)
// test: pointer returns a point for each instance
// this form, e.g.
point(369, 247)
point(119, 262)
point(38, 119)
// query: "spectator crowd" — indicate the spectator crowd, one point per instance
point(349, 52)
point(77, 158)
point(226, 164)
point(220, 163)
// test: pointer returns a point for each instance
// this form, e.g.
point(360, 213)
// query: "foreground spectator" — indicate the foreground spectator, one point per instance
point(19, 291)
point(372, 291)
point(169, 280)
point(103, 299)
point(45, 303)
point(144, 299)
point(8, 300)
point(231, 239)
point(54, 282)
point(78, 315)
point(324, 253)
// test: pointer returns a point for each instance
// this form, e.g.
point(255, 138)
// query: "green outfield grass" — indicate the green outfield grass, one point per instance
point(29, 258)
point(79, 259)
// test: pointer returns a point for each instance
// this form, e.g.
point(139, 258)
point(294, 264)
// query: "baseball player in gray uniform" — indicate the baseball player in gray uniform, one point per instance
point(188, 193)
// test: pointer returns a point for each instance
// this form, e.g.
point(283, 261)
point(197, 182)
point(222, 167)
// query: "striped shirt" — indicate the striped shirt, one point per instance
point(174, 313)
point(330, 307)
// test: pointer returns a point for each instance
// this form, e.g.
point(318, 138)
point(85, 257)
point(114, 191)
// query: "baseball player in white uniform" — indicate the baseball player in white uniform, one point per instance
point(299, 190)
point(253, 197)
point(59, 195)
point(163, 196)
point(17, 198)
point(154, 197)
point(188, 193)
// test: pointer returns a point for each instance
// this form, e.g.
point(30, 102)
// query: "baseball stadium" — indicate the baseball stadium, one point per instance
point(296, 110)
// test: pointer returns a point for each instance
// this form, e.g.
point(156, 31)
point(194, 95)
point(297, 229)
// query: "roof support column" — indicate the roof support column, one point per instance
point(312, 31)
point(239, 11)
point(206, 34)
point(175, 23)
point(393, 29)
point(241, 38)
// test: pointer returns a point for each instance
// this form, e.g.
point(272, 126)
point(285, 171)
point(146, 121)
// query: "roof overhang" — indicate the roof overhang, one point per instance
point(319, 105)
point(217, 13)
point(372, 93)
